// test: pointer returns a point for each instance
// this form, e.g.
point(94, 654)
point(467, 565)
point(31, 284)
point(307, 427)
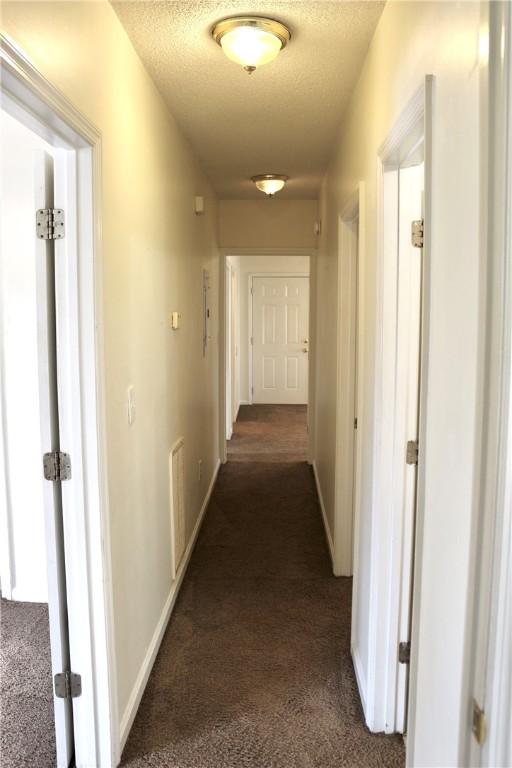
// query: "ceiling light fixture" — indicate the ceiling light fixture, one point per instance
point(270, 183)
point(251, 40)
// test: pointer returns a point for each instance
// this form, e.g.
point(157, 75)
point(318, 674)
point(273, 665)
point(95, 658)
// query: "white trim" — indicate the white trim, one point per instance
point(158, 635)
point(28, 96)
point(488, 663)
point(328, 534)
point(360, 678)
point(346, 396)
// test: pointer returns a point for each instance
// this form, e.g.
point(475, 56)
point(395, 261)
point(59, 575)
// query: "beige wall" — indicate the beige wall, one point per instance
point(267, 223)
point(154, 251)
point(412, 40)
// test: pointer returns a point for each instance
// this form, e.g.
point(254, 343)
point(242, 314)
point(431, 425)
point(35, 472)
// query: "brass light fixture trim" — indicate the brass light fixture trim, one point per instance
point(266, 26)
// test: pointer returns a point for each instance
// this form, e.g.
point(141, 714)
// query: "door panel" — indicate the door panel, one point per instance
point(280, 340)
point(50, 440)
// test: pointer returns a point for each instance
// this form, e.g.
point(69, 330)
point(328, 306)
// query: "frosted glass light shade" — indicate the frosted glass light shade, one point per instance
point(250, 47)
point(251, 41)
point(270, 183)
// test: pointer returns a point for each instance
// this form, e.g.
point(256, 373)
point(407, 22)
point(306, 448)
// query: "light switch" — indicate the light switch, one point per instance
point(175, 320)
point(130, 398)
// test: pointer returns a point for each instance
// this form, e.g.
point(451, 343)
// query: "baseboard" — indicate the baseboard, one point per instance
point(147, 665)
point(360, 678)
point(328, 535)
point(243, 402)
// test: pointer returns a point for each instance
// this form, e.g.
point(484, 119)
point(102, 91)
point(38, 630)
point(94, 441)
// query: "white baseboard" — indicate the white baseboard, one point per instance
point(360, 678)
point(149, 659)
point(328, 534)
point(243, 402)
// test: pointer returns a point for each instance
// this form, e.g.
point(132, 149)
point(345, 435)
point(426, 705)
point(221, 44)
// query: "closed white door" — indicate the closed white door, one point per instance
point(280, 340)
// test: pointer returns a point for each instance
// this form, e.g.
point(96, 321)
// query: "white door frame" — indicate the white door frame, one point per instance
point(347, 449)
point(488, 666)
point(228, 378)
point(250, 295)
point(378, 682)
point(225, 252)
point(31, 99)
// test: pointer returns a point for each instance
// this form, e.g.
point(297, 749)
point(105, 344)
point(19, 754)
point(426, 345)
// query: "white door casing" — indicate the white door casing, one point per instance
point(280, 339)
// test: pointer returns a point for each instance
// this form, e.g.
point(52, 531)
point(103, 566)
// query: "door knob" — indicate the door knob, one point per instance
point(305, 350)
point(305, 341)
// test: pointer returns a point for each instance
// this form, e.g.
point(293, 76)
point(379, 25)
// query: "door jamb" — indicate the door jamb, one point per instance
point(488, 669)
point(33, 100)
point(345, 496)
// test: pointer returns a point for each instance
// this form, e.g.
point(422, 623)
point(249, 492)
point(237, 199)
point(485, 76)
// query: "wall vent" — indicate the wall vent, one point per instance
point(177, 500)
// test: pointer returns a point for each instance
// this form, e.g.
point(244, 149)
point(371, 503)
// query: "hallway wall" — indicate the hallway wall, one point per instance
point(412, 40)
point(154, 251)
point(268, 223)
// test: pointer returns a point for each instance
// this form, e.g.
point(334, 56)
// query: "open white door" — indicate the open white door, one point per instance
point(50, 439)
point(407, 410)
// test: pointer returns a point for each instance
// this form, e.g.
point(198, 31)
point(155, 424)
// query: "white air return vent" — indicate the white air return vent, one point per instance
point(177, 498)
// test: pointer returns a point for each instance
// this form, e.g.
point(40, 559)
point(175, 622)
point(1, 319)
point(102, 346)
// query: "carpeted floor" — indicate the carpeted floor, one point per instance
point(27, 737)
point(255, 670)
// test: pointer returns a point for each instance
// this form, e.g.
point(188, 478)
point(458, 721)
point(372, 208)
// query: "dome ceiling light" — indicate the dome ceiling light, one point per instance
point(251, 40)
point(270, 183)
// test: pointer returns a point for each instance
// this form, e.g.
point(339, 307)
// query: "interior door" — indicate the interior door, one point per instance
point(234, 346)
point(407, 398)
point(50, 440)
point(280, 340)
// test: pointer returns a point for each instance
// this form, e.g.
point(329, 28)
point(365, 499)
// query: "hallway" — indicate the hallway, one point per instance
point(255, 667)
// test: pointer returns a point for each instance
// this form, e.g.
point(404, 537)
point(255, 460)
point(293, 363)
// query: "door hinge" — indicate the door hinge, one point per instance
point(68, 685)
point(252, 340)
point(50, 223)
point(355, 423)
point(479, 723)
point(57, 466)
point(412, 452)
point(417, 229)
point(404, 652)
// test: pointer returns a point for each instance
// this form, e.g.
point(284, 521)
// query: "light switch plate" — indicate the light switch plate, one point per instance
point(175, 320)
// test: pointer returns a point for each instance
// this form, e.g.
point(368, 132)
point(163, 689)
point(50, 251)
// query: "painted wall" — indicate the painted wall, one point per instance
point(268, 223)
point(23, 547)
point(245, 266)
point(154, 251)
point(412, 40)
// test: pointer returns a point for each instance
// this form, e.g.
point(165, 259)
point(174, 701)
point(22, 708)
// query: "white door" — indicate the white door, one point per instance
point(46, 253)
point(280, 340)
point(408, 340)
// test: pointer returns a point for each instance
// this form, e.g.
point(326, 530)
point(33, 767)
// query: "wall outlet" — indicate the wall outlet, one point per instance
point(199, 470)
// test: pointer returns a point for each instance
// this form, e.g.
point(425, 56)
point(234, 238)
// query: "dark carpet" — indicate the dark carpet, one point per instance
point(255, 670)
point(27, 724)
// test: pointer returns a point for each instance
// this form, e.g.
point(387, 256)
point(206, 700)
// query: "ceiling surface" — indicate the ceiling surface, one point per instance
point(281, 119)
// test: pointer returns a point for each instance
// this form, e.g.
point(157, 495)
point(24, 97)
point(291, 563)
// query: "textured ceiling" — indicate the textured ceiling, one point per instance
point(281, 119)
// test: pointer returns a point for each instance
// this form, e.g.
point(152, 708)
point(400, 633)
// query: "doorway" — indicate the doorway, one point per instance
point(32, 556)
point(50, 254)
point(385, 526)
